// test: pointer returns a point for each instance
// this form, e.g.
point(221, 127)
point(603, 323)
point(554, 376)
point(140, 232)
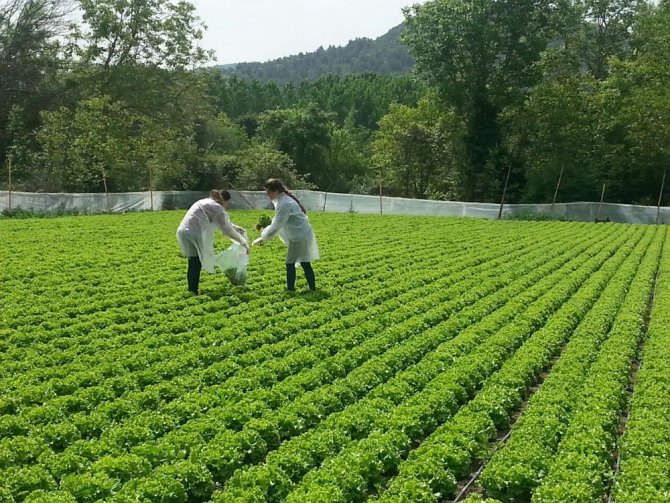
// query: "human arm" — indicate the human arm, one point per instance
point(282, 214)
point(220, 217)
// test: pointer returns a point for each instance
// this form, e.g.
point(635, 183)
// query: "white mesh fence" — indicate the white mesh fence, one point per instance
point(330, 202)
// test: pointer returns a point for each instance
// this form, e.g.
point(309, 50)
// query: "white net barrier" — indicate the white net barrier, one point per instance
point(330, 202)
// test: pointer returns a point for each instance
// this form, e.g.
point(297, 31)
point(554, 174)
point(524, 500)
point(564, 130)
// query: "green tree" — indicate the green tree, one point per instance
point(101, 142)
point(607, 32)
point(419, 150)
point(261, 161)
point(479, 55)
point(305, 135)
point(29, 61)
point(367, 95)
point(347, 157)
point(219, 140)
point(138, 32)
point(142, 53)
point(637, 97)
point(556, 128)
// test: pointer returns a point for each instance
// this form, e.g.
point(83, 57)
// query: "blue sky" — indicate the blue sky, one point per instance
point(261, 30)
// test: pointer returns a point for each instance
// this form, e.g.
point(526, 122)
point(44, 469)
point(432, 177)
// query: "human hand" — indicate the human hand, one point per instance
point(258, 242)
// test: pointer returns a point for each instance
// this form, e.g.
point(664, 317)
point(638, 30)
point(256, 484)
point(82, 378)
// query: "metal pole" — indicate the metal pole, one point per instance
point(560, 177)
point(602, 197)
point(502, 201)
point(381, 193)
point(240, 194)
point(658, 210)
point(151, 187)
point(104, 181)
point(325, 201)
point(9, 167)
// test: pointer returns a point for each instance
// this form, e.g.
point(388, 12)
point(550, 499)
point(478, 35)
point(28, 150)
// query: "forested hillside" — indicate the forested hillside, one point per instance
point(577, 93)
point(385, 55)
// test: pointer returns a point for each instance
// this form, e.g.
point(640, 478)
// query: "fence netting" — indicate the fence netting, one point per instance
point(330, 202)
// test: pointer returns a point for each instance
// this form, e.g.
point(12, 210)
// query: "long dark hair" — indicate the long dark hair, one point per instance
point(276, 185)
point(219, 195)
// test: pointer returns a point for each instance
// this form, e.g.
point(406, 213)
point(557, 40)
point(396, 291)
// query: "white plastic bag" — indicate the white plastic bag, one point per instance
point(233, 262)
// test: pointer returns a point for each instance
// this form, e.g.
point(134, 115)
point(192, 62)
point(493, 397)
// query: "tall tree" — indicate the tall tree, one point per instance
point(348, 158)
point(141, 52)
point(261, 161)
point(637, 97)
point(139, 32)
point(608, 27)
point(102, 143)
point(479, 54)
point(29, 61)
point(555, 129)
point(131, 64)
point(305, 135)
point(418, 150)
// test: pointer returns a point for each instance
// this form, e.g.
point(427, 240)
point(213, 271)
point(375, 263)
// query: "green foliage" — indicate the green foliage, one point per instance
point(418, 150)
point(480, 56)
point(124, 388)
point(533, 216)
point(261, 161)
point(348, 158)
point(29, 64)
point(21, 213)
point(138, 32)
point(477, 498)
point(383, 56)
point(363, 98)
point(263, 222)
point(304, 135)
point(101, 141)
point(569, 90)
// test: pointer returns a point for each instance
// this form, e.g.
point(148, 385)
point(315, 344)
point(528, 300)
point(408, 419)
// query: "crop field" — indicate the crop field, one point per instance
point(440, 360)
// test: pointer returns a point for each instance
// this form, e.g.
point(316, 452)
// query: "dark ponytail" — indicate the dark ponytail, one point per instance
point(289, 194)
point(219, 195)
point(275, 185)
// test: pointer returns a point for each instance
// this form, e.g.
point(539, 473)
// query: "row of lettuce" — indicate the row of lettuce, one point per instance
point(103, 439)
point(405, 409)
point(572, 445)
point(563, 449)
point(645, 446)
point(393, 390)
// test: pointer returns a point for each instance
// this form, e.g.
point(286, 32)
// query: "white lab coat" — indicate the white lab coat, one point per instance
point(195, 233)
point(293, 228)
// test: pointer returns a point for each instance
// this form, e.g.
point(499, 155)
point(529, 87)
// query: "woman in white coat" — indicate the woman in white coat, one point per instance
point(196, 234)
point(292, 226)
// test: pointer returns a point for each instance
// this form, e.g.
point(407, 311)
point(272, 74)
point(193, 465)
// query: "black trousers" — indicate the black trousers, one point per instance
point(193, 274)
point(309, 275)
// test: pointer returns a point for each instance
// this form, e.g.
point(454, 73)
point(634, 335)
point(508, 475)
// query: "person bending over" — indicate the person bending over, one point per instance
point(195, 234)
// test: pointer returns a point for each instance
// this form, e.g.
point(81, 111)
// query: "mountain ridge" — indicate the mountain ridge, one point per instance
point(385, 55)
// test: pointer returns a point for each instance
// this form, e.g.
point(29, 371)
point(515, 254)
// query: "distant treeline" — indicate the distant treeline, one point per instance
point(540, 91)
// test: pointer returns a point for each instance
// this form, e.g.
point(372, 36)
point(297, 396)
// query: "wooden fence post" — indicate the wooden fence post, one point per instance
point(660, 196)
point(502, 201)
